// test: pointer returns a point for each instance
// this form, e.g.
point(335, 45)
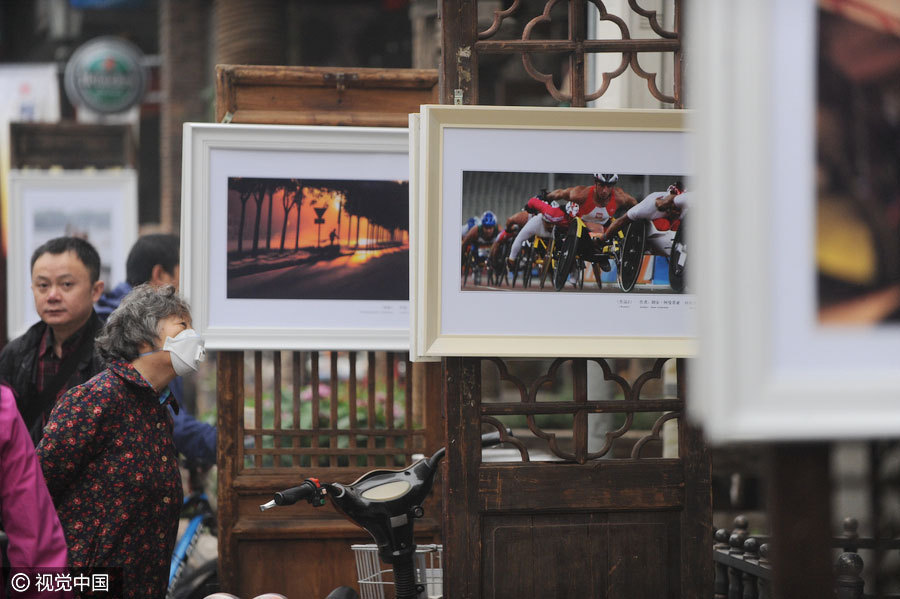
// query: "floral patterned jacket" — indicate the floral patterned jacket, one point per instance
point(111, 468)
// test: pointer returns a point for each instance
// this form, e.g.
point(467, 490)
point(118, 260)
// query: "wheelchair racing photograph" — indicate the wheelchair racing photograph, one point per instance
point(594, 232)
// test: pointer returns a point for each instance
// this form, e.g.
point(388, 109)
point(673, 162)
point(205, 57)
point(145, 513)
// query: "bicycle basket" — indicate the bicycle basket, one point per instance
point(373, 577)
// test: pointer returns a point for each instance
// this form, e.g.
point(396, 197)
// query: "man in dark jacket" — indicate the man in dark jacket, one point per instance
point(56, 353)
point(154, 259)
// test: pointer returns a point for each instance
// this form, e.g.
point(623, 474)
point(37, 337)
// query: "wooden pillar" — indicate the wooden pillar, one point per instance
point(459, 66)
point(250, 32)
point(229, 409)
point(184, 75)
point(800, 512)
point(696, 524)
point(427, 398)
point(462, 402)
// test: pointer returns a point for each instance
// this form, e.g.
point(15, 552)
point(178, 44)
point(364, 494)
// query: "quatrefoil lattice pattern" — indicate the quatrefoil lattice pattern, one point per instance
point(576, 46)
point(628, 402)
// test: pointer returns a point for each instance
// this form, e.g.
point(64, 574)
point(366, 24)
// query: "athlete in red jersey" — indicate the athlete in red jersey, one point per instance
point(597, 203)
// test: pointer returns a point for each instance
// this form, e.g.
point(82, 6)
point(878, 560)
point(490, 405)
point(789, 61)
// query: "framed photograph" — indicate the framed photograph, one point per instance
point(799, 279)
point(494, 279)
point(100, 206)
point(296, 237)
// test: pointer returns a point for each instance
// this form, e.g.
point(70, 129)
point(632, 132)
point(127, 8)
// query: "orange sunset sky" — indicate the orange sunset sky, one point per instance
point(312, 198)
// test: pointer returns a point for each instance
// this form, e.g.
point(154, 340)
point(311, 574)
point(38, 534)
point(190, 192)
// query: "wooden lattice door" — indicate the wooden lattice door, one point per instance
point(553, 518)
point(287, 416)
point(580, 522)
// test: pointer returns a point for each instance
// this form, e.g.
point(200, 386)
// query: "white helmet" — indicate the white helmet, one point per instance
point(609, 179)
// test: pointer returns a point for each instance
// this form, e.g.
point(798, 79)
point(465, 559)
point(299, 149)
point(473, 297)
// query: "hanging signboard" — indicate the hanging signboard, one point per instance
point(106, 75)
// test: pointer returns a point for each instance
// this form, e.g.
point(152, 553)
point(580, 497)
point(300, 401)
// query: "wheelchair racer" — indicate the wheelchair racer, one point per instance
point(469, 224)
point(595, 204)
point(481, 236)
point(663, 210)
point(544, 215)
point(513, 224)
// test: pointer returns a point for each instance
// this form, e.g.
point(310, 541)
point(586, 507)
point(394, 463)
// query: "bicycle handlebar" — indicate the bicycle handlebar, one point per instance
point(310, 490)
point(313, 492)
point(385, 503)
point(295, 494)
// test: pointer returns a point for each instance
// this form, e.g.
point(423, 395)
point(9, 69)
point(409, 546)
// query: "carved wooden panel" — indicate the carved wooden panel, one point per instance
point(551, 518)
point(551, 38)
point(287, 416)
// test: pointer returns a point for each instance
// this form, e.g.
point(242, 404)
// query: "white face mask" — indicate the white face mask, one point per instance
point(186, 350)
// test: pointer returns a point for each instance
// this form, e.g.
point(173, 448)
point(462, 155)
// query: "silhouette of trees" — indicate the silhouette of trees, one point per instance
point(246, 188)
point(260, 195)
point(272, 188)
point(384, 205)
point(293, 196)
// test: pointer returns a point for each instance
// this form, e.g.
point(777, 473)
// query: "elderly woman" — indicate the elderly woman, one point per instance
point(107, 452)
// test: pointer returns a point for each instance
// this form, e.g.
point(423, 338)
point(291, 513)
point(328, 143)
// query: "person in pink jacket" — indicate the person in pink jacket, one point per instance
point(27, 514)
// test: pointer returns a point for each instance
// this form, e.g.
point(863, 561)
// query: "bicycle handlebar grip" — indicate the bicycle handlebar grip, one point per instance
point(295, 494)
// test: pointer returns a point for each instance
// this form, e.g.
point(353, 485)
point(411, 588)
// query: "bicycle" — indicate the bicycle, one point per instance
point(191, 576)
point(386, 504)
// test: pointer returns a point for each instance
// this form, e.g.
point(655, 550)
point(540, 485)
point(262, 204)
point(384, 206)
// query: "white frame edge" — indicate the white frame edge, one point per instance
point(738, 393)
point(432, 344)
point(198, 141)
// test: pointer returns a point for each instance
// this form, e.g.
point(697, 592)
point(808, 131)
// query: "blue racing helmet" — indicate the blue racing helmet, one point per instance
point(488, 219)
point(471, 222)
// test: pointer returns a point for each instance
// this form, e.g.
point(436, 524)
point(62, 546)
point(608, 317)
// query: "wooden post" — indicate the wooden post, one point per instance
point(849, 584)
point(229, 390)
point(696, 525)
point(720, 586)
point(459, 64)
point(800, 512)
point(462, 380)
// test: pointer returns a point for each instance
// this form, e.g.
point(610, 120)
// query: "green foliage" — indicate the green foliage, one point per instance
point(300, 418)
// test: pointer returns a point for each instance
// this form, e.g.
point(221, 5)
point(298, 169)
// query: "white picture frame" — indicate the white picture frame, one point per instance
point(415, 195)
point(450, 321)
point(216, 153)
point(767, 368)
point(98, 204)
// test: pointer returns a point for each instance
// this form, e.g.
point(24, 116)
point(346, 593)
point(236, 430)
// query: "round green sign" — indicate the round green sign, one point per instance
point(105, 75)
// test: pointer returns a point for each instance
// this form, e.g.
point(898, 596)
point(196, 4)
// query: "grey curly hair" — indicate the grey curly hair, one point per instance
point(136, 321)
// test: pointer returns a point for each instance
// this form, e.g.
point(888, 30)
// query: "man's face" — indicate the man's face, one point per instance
point(161, 277)
point(669, 208)
point(490, 230)
point(603, 189)
point(63, 293)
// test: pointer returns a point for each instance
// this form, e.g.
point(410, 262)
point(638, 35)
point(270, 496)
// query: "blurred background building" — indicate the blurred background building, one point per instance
point(180, 42)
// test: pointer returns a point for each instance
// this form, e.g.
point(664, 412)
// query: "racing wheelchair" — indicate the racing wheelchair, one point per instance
point(626, 251)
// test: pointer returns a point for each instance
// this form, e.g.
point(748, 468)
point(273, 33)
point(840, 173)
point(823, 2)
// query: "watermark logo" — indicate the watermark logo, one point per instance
point(26, 583)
